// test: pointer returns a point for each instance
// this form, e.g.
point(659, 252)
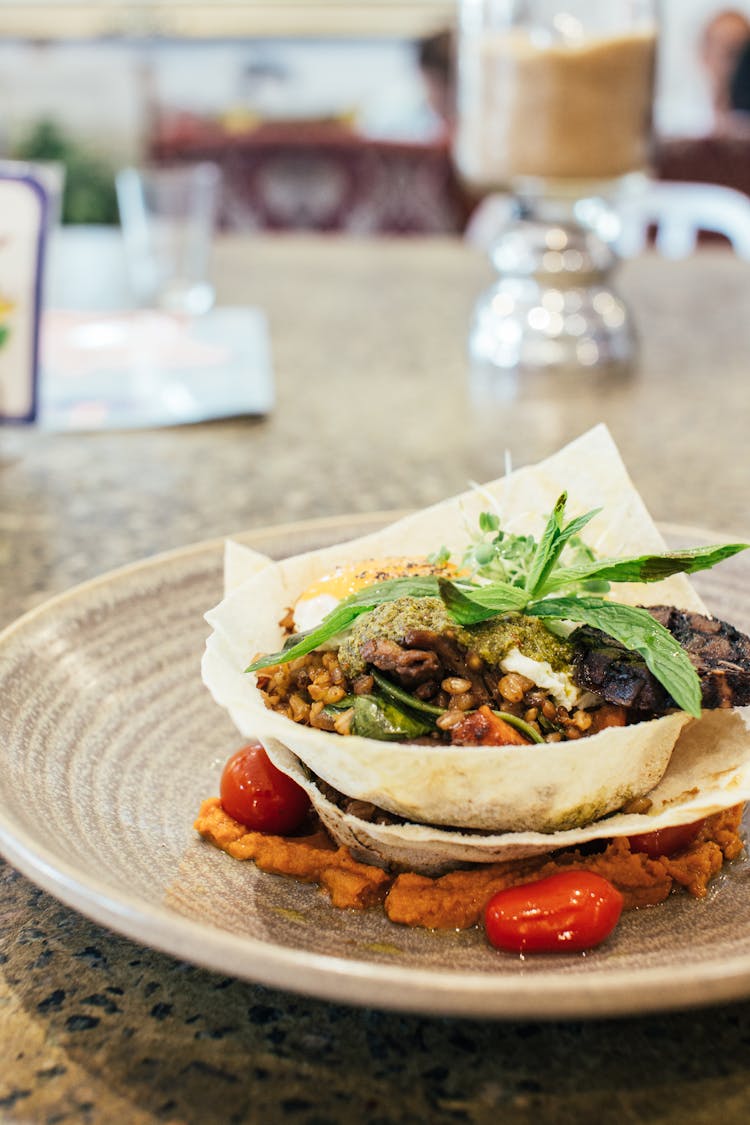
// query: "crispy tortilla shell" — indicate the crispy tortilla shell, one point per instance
point(709, 771)
point(541, 789)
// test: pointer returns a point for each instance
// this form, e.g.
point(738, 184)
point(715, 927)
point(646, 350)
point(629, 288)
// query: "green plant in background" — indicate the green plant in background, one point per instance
point(6, 308)
point(89, 195)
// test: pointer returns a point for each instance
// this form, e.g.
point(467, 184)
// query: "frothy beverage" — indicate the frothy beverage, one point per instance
point(569, 111)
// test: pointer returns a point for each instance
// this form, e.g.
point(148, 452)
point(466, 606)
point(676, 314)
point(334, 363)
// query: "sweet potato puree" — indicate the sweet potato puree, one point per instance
point(456, 900)
point(312, 859)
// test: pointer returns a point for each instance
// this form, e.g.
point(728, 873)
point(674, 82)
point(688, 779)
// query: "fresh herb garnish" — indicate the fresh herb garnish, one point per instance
point(643, 568)
point(556, 535)
point(498, 556)
point(495, 555)
point(470, 605)
point(440, 557)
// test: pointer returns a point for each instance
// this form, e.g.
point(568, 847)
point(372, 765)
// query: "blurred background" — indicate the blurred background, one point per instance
point(322, 115)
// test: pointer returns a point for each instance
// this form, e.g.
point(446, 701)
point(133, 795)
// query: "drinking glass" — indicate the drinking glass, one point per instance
point(554, 101)
point(168, 217)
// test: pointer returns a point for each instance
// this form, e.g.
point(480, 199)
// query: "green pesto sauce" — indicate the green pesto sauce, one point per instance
point(392, 620)
point(494, 639)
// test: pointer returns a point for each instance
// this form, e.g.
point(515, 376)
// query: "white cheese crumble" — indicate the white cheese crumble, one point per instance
point(558, 684)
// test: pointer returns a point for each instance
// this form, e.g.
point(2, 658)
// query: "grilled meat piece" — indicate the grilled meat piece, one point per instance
point(606, 667)
point(424, 659)
point(719, 653)
point(453, 660)
point(410, 666)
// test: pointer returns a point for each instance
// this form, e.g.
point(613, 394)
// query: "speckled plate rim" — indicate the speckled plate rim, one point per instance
point(548, 995)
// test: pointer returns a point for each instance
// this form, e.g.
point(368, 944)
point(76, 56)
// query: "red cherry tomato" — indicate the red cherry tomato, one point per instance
point(666, 841)
point(564, 913)
point(257, 794)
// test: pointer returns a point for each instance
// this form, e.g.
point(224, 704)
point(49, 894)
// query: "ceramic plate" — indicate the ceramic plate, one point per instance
point(109, 741)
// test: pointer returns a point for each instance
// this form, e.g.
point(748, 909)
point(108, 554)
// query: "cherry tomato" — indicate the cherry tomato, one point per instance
point(564, 913)
point(666, 841)
point(257, 794)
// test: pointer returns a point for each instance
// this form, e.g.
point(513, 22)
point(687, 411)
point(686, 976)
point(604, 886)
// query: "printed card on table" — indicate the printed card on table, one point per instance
point(22, 222)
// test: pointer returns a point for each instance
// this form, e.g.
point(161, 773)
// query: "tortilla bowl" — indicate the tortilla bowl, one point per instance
point(544, 788)
point(709, 771)
point(550, 788)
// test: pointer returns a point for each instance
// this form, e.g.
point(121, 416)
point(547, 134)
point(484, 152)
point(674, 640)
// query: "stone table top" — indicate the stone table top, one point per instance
point(374, 412)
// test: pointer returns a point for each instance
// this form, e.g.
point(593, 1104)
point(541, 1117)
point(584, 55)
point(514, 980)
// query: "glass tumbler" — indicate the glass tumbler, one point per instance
point(168, 217)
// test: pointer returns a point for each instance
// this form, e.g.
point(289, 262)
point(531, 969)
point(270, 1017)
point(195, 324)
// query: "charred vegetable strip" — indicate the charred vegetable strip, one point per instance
point(399, 695)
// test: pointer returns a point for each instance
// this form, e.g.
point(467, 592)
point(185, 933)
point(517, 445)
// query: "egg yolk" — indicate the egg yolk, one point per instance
point(325, 593)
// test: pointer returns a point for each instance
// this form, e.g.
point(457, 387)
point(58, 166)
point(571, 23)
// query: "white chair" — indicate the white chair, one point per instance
point(488, 219)
point(679, 212)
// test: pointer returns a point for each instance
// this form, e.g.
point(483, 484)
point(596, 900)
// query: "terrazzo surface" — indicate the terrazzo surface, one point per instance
point(373, 413)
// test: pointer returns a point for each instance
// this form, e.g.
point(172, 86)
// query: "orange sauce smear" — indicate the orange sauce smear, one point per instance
point(456, 900)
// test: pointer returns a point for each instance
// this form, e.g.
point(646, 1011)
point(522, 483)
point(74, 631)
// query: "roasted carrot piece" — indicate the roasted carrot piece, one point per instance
point(484, 728)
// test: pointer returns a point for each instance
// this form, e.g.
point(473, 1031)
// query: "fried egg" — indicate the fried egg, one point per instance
point(323, 595)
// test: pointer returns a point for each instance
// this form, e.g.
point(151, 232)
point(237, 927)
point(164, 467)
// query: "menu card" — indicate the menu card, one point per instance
point(130, 368)
point(22, 222)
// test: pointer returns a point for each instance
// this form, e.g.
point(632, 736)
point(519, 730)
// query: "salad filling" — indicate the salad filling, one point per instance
point(430, 685)
point(520, 642)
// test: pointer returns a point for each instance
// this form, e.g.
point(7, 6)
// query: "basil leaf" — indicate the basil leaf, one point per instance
point(470, 605)
point(416, 586)
point(645, 568)
point(555, 537)
point(374, 718)
point(333, 710)
point(637, 630)
point(501, 597)
point(569, 534)
point(333, 623)
point(544, 553)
